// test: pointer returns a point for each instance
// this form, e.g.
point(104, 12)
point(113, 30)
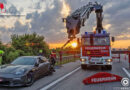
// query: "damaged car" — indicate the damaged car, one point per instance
point(24, 70)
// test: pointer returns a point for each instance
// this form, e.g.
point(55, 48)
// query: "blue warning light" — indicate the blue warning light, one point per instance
point(86, 33)
point(104, 32)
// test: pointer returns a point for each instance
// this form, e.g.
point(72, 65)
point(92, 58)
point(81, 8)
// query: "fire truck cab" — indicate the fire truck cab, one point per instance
point(96, 50)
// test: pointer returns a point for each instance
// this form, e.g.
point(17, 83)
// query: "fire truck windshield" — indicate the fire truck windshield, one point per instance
point(101, 41)
point(97, 41)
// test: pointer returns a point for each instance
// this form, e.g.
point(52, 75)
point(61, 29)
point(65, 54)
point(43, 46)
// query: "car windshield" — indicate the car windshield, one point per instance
point(24, 61)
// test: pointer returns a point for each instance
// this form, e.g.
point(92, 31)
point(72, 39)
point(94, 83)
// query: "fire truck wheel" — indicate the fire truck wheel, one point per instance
point(109, 67)
point(84, 67)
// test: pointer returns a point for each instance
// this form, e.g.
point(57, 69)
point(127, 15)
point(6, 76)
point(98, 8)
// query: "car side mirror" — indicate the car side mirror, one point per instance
point(113, 39)
point(36, 64)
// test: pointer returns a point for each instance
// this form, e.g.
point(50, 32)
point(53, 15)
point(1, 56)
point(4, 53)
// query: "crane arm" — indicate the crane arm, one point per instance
point(77, 19)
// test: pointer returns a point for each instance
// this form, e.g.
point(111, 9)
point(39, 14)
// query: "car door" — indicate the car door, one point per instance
point(43, 65)
point(37, 69)
point(46, 64)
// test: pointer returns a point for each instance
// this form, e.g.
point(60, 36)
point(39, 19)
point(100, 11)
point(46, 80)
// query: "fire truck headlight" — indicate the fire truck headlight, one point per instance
point(82, 60)
point(109, 60)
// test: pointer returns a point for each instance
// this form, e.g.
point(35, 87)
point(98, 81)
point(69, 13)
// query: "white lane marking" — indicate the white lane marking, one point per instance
point(128, 74)
point(60, 79)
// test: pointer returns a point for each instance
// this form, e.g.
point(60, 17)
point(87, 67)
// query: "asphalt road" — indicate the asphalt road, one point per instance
point(74, 81)
point(60, 71)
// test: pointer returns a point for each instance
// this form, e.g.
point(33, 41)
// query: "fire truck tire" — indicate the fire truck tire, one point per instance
point(84, 67)
point(109, 67)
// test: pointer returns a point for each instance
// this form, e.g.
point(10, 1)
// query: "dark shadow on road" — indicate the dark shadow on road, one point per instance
point(96, 68)
point(11, 88)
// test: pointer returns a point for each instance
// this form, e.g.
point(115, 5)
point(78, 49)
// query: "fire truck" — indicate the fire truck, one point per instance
point(95, 46)
point(96, 50)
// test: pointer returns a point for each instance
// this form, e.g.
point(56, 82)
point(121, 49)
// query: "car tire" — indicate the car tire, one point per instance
point(29, 79)
point(84, 66)
point(50, 71)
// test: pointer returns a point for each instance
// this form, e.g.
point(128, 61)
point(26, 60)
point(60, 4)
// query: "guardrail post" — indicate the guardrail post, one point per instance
point(74, 57)
point(125, 57)
point(129, 59)
point(119, 57)
point(60, 53)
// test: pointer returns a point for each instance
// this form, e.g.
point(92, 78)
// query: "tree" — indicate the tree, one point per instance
point(30, 44)
point(24, 45)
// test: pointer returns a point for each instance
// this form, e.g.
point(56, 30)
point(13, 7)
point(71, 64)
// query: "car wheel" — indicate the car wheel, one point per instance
point(49, 73)
point(29, 79)
point(51, 70)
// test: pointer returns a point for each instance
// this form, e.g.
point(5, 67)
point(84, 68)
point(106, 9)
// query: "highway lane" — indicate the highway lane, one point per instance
point(74, 82)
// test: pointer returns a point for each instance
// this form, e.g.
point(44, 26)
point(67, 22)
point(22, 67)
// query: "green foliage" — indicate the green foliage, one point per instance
point(21, 41)
point(19, 47)
point(12, 55)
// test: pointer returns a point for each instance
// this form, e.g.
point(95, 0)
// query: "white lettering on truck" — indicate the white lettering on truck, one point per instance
point(95, 48)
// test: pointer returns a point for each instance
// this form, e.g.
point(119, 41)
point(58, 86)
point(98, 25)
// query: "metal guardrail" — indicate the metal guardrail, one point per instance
point(67, 59)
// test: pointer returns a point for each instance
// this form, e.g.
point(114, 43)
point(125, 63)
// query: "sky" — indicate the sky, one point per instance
point(45, 18)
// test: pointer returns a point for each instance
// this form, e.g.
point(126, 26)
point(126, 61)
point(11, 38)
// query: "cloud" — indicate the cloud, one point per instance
point(18, 29)
point(9, 7)
point(107, 26)
point(13, 10)
point(4, 34)
point(124, 37)
point(29, 16)
point(3, 1)
point(116, 16)
point(48, 22)
point(37, 5)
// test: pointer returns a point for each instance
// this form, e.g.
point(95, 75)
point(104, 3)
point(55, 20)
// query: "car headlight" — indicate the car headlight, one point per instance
point(20, 72)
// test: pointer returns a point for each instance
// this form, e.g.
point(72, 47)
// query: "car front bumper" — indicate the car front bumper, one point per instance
point(12, 80)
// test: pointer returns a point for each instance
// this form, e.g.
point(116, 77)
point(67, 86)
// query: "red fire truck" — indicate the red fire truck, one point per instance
point(96, 50)
point(95, 47)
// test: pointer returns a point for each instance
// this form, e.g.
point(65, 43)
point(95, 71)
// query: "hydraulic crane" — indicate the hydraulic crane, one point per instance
point(95, 48)
point(77, 19)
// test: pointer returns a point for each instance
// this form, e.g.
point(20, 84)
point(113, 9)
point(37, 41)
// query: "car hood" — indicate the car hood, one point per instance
point(10, 68)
